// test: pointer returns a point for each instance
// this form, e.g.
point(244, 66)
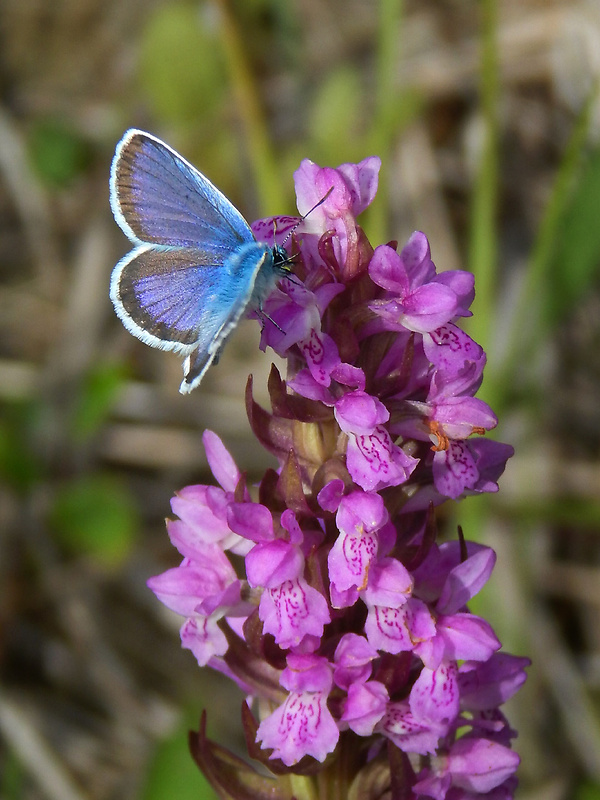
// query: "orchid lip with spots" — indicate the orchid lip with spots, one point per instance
point(345, 620)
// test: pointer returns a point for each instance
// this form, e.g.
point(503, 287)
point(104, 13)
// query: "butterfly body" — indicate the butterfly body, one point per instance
point(195, 267)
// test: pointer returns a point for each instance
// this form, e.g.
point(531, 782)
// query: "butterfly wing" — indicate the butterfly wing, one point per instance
point(190, 276)
point(157, 197)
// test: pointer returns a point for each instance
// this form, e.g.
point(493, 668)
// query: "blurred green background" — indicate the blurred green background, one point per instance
point(487, 119)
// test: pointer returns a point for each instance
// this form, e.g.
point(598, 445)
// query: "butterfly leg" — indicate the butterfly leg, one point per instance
point(264, 316)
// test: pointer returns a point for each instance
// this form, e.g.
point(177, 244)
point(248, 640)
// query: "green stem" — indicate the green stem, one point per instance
point(262, 157)
point(527, 328)
point(483, 245)
point(384, 126)
point(303, 787)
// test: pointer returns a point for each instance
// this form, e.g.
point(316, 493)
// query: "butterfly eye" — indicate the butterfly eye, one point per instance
point(281, 260)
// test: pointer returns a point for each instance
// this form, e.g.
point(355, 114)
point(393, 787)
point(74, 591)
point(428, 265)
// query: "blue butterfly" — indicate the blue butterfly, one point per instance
point(195, 266)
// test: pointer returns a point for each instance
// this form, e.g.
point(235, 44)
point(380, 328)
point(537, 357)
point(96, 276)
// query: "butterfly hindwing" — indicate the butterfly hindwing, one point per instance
point(175, 299)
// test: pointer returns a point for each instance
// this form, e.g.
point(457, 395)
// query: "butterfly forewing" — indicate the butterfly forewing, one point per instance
point(159, 198)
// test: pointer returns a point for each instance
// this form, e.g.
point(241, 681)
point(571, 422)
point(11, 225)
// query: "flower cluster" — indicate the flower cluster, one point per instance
point(325, 593)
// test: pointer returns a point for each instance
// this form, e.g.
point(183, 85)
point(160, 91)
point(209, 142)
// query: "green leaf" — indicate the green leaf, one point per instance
point(95, 515)
point(57, 152)
point(577, 264)
point(588, 791)
point(98, 394)
point(20, 465)
point(12, 777)
point(181, 70)
point(336, 118)
point(172, 772)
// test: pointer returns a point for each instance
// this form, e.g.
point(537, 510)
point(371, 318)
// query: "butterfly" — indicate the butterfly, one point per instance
point(195, 266)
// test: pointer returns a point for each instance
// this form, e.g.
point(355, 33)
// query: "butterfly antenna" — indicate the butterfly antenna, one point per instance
point(310, 210)
point(289, 275)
